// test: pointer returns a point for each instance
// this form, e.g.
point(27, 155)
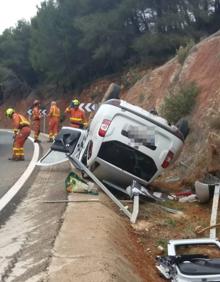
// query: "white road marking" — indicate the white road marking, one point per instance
point(24, 177)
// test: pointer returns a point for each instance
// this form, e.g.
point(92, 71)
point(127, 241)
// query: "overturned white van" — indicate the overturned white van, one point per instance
point(123, 142)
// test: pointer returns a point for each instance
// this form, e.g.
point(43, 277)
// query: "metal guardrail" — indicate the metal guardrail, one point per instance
point(131, 215)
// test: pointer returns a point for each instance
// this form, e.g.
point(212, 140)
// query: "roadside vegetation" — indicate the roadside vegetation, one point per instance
point(183, 52)
point(130, 78)
point(73, 42)
point(177, 105)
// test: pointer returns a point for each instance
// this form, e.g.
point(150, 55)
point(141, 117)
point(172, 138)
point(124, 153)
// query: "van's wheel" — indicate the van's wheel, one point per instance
point(84, 161)
point(113, 92)
point(183, 127)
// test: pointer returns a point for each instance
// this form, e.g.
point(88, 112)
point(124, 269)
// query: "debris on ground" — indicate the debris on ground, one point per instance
point(75, 184)
point(189, 199)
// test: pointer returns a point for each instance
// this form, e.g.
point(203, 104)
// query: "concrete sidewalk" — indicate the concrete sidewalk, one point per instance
point(94, 244)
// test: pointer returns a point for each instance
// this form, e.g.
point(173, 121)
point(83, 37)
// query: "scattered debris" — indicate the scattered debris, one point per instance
point(183, 164)
point(189, 199)
point(76, 184)
point(200, 230)
point(183, 193)
point(172, 179)
point(137, 188)
point(174, 211)
point(71, 201)
point(142, 225)
point(202, 191)
point(160, 250)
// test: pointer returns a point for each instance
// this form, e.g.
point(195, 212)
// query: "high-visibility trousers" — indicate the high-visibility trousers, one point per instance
point(20, 138)
point(36, 128)
point(53, 127)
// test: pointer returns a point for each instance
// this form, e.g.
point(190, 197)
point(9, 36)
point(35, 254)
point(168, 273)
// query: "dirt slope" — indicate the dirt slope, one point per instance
point(202, 66)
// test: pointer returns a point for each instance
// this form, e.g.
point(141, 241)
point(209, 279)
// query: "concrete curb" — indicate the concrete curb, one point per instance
point(24, 177)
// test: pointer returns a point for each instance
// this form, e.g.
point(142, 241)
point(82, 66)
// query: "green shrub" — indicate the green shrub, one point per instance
point(180, 104)
point(170, 222)
point(183, 52)
point(130, 78)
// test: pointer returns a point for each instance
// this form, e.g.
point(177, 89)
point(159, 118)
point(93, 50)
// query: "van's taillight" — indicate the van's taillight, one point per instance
point(168, 159)
point(104, 127)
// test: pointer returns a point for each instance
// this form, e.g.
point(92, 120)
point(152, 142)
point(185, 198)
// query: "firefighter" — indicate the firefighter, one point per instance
point(21, 132)
point(77, 116)
point(54, 119)
point(36, 120)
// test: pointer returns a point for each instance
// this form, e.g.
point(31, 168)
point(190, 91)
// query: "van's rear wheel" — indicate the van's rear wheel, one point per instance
point(113, 92)
point(84, 161)
point(183, 127)
point(84, 158)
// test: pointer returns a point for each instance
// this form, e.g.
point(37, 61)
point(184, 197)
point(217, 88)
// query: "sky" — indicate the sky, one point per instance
point(13, 10)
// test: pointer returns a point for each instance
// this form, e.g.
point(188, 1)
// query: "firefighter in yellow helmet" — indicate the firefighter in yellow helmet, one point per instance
point(21, 132)
point(77, 116)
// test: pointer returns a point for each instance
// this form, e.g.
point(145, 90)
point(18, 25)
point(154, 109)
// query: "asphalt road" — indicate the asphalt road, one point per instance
point(27, 235)
point(10, 171)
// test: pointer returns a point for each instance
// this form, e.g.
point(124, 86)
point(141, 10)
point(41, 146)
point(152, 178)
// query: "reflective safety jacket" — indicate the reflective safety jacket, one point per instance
point(36, 113)
point(54, 111)
point(77, 116)
point(19, 121)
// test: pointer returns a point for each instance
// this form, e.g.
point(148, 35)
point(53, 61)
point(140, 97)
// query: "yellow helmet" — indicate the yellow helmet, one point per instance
point(9, 112)
point(75, 102)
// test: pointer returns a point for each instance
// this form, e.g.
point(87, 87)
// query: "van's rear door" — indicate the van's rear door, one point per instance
point(68, 140)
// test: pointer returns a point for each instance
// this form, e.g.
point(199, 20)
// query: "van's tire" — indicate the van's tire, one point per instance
point(83, 174)
point(84, 157)
point(84, 161)
point(113, 92)
point(183, 127)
